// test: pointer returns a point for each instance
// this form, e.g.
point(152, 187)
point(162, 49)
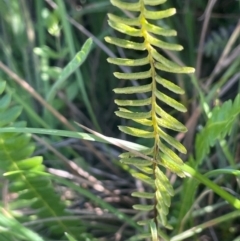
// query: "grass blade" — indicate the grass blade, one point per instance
point(72, 66)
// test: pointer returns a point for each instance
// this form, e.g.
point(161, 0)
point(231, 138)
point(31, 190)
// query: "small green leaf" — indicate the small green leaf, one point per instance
point(127, 6)
point(171, 165)
point(164, 45)
point(160, 31)
point(143, 207)
point(136, 162)
point(168, 65)
point(162, 177)
point(146, 195)
point(170, 153)
point(2, 86)
point(125, 43)
point(136, 132)
point(154, 231)
point(133, 76)
point(134, 102)
point(179, 70)
point(133, 115)
point(134, 89)
point(170, 101)
point(170, 125)
point(123, 28)
point(144, 222)
point(169, 118)
point(10, 115)
point(127, 21)
point(162, 190)
point(129, 62)
point(154, 3)
point(5, 102)
point(146, 170)
point(30, 163)
point(161, 207)
point(169, 85)
point(145, 122)
point(162, 219)
point(146, 151)
point(155, 15)
point(144, 178)
point(172, 141)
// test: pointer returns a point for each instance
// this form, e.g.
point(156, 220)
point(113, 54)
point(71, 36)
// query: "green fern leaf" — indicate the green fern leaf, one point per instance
point(134, 102)
point(170, 101)
point(154, 3)
point(170, 153)
point(155, 15)
point(143, 195)
point(126, 6)
point(137, 162)
point(132, 76)
point(133, 115)
point(26, 175)
point(143, 207)
point(169, 85)
point(172, 121)
point(125, 43)
point(172, 141)
point(128, 62)
point(124, 28)
point(217, 127)
point(160, 31)
point(154, 231)
point(146, 170)
point(136, 132)
point(134, 89)
point(156, 119)
point(127, 21)
point(144, 178)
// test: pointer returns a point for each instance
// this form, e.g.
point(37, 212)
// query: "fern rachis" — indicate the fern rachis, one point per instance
point(156, 120)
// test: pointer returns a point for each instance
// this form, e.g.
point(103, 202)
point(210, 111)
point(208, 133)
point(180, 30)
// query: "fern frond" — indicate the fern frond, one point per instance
point(156, 120)
point(26, 175)
point(217, 127)
point(216, 41)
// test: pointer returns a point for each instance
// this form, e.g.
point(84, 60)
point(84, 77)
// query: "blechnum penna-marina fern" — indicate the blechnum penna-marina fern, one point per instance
point(156, 120)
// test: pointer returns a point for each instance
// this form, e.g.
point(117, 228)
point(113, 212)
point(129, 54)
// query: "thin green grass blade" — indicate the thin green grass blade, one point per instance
point(70, 68)
point(67, 29)
point(199, 228)
point(222, 172)
point(10, 226)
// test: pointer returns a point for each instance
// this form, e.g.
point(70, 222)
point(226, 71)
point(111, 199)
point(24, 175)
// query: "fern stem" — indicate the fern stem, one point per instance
point(144, 31)
point(221, 192)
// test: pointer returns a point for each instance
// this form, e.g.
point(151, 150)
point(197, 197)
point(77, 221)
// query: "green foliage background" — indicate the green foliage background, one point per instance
point(83, 182)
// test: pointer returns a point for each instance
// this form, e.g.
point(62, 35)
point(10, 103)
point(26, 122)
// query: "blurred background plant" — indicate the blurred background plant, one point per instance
point(38, 38)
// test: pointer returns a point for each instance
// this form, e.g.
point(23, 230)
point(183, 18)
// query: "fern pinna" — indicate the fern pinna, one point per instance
point(156, 120)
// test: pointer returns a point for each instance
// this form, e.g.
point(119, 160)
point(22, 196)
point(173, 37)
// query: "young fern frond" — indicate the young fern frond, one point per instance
point(156, 120)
